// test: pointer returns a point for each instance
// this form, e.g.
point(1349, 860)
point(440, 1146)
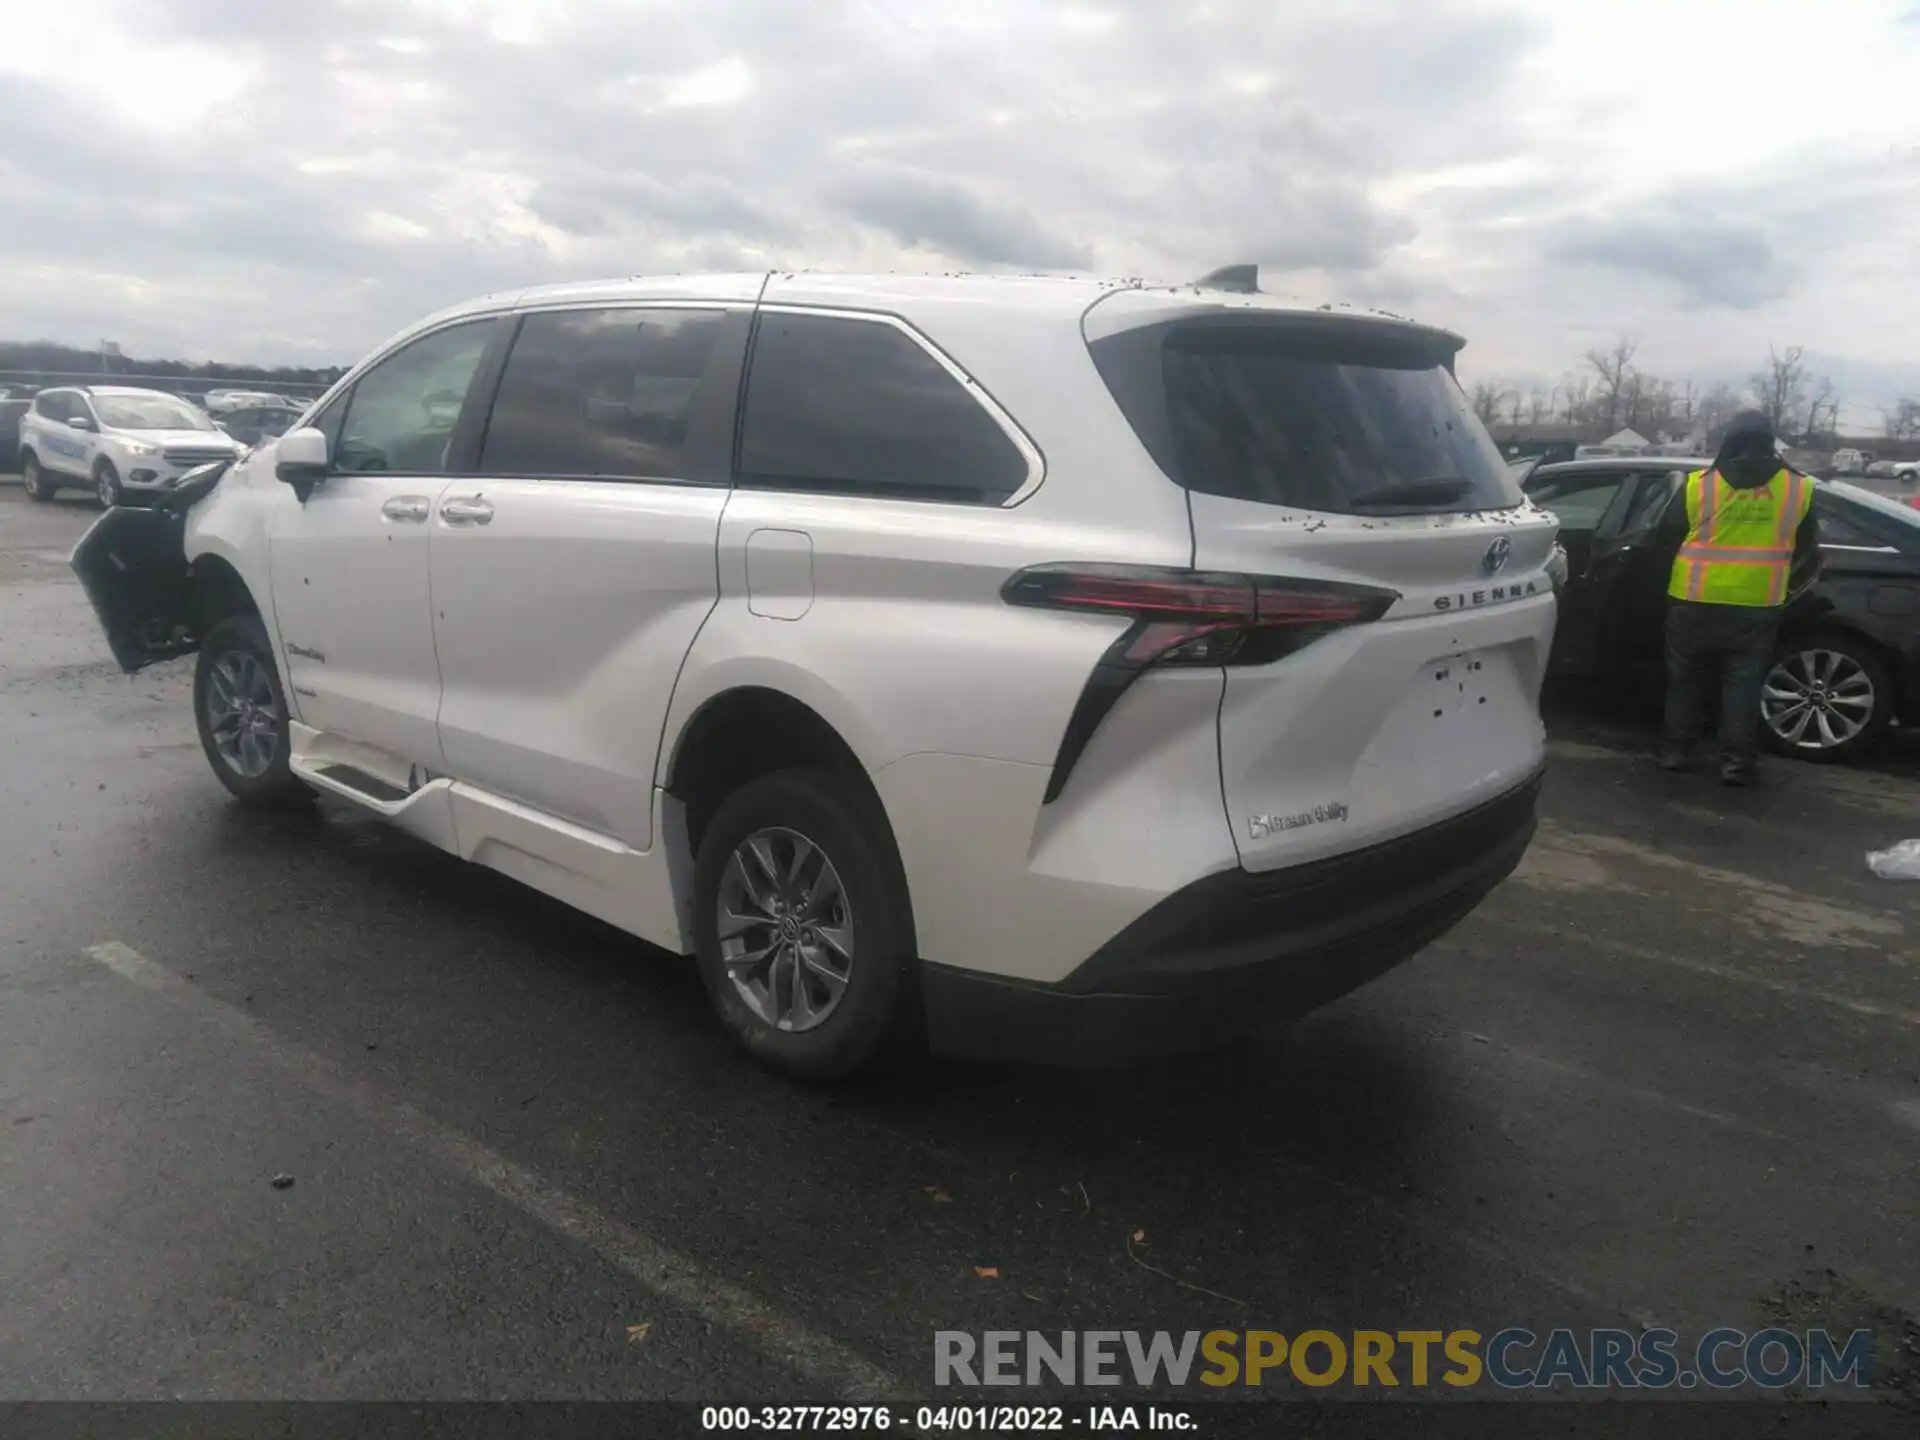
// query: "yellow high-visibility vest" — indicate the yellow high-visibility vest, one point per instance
point(1739, 548)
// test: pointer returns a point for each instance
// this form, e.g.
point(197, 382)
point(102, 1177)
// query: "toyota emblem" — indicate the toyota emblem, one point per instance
point(1495, 559)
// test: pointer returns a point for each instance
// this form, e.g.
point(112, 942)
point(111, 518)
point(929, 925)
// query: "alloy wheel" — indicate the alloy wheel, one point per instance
point(1818, 699)
point(107, 489)
point(786, 929)
point(242, 715)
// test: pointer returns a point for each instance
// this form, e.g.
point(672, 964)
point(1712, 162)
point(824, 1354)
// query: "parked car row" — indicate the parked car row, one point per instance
point(1850, 462)
point(122, 443)
point(221, 402)
point(125, 443)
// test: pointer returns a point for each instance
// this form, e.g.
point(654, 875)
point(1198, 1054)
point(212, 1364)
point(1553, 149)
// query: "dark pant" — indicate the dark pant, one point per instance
point(1726, 645)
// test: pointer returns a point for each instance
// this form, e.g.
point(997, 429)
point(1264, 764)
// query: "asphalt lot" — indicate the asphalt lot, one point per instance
point(1670, 1073)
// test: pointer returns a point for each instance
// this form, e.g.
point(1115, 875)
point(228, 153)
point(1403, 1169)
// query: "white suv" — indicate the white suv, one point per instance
point(120, 442)
point(1029, 666)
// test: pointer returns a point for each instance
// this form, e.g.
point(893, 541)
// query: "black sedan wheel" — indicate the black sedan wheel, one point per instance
point(1828, 697)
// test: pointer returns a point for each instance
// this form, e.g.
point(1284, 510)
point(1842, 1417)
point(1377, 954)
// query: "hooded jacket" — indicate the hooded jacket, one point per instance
point(1748, 456)
point(1747, 459)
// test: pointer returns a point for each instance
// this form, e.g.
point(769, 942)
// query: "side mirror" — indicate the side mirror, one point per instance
point(80, 422)
point(301, 459)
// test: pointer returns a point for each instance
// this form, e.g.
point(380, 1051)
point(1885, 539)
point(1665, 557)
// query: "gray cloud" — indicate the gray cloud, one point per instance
point(595, 203)
point(390, 156)
point(1710, 261)
point(921, 209)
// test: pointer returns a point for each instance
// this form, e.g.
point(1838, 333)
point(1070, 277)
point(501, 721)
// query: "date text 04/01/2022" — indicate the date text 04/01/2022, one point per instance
point(935, 1419)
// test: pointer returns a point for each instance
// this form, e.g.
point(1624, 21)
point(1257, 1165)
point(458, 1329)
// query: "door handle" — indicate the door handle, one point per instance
point(412, 508)
point(466, 510)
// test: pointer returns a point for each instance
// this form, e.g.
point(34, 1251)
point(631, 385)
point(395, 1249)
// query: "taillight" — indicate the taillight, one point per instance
point(1184, 617)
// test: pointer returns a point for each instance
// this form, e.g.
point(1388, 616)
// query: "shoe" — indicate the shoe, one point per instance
point(1676, 757)
point(1739, 773)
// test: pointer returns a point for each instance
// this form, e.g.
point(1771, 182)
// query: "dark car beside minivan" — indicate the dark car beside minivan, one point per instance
point(1848, 661)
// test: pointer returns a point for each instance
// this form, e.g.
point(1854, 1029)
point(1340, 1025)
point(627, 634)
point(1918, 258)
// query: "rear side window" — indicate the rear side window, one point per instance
point(858, 407)
point(1580, 501)
point(603, 393)
point(1314, 418)
point(1838, 527)
point(1651, 499)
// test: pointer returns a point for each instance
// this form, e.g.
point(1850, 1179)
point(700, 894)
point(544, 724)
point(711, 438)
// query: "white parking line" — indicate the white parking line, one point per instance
point(677, 1279)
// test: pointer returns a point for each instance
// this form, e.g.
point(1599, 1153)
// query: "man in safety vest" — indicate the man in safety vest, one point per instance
point(1747, 518)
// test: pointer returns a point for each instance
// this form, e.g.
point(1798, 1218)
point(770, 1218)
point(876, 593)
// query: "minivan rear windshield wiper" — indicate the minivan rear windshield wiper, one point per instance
point(1435, 491)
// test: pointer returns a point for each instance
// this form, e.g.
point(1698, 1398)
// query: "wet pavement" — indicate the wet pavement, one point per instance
point(1669, 1073)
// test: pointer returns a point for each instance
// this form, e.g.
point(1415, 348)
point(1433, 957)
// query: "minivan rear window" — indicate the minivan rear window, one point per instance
point(1311, 417)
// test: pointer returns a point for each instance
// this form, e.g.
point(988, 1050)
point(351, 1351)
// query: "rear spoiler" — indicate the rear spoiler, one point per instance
point(1244, 279)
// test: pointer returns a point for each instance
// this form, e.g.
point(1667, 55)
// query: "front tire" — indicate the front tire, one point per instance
point(802, 928)
point(1828, 698)
point(106, 485)
point(241, 713)
point(34, 480)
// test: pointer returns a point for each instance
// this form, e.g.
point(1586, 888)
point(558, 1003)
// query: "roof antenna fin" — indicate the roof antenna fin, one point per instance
point(1242, 279)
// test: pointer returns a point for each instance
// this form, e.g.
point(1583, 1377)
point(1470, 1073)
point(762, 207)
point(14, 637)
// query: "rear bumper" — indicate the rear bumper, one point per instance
point(1238, 953)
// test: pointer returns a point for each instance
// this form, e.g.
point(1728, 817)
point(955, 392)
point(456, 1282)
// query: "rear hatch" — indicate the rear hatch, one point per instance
point(1325, 448)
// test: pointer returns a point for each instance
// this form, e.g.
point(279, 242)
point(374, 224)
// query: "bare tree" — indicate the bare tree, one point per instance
point(1686, 403)
point(1661, 404)
point(1633, 396)
point(1539, 407)
point(1781, 387)
point(1716, 408)
point(1579, 392)
point(1902, 422)
point(1823, 412)
point(1486, 402)
point(1514, 400)
point(1613, 367)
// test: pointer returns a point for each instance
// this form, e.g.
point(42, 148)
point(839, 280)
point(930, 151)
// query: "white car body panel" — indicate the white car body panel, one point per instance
point(640, 892)
point(233, 526)
point(354, 611)
point(1005, 886)
point(617, 578)
point(1380, 729)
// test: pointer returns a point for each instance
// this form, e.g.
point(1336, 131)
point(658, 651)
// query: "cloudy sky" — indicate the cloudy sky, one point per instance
point(291, 180)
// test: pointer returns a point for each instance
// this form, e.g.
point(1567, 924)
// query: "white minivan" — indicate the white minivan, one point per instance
point(1032, 666)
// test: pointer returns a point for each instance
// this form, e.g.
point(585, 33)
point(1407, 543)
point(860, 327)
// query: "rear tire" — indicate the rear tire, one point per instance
point(34, 480)
point(106, 485)
point(1828, 698)
point(240, 711)
point(803, 863)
